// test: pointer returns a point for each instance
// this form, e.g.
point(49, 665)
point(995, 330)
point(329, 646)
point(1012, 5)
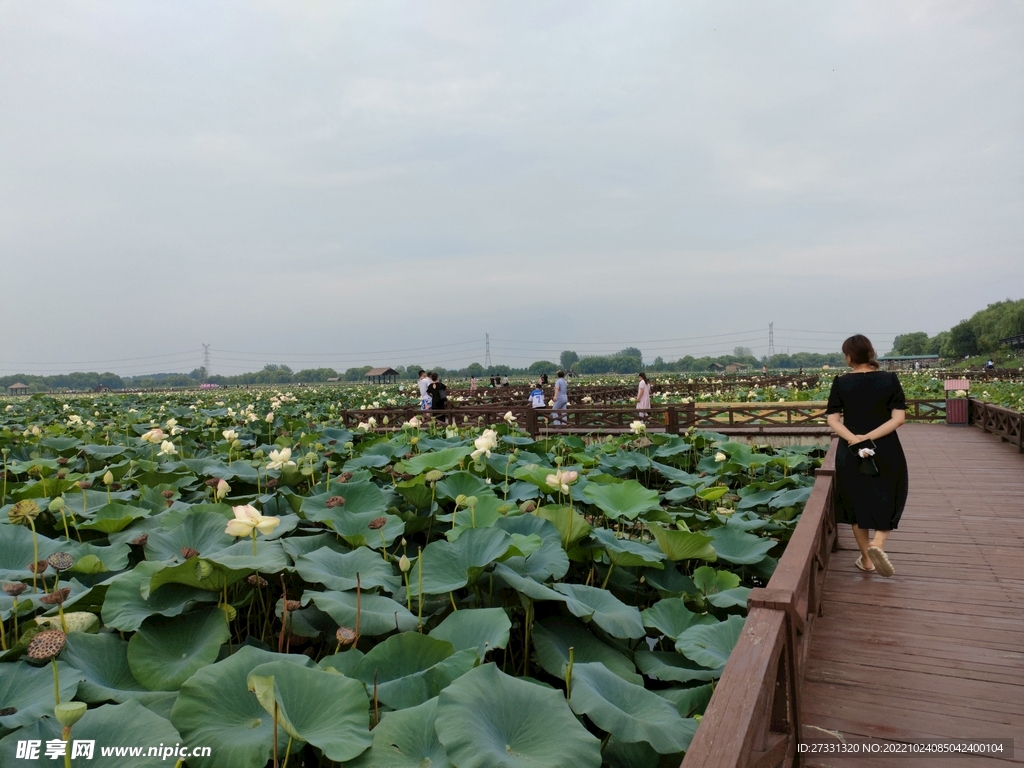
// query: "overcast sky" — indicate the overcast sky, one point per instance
point(328, 183)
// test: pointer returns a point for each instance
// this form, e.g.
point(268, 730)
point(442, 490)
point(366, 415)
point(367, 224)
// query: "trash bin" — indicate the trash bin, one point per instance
point(956, 407)
point(956, 410)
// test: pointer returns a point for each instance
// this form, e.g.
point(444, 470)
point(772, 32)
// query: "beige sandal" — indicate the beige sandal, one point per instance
point(859, 562)
point(881, 562)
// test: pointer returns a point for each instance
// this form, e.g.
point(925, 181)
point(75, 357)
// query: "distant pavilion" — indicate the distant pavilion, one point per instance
point(382, 375)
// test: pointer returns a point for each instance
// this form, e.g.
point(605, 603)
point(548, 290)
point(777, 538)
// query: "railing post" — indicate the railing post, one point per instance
point(531, 422)
point(691, 414)
point(672, 424)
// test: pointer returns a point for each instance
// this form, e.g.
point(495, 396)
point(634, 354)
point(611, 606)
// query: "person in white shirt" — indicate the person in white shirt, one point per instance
point(424, 382)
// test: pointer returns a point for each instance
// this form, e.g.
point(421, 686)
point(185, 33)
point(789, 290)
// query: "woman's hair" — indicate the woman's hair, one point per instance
point(643, 376)
point(858, 348)
point(433, 376)
point(561, 374)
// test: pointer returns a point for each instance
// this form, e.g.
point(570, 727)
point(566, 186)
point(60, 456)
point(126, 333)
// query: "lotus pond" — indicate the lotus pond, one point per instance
point(247, 576)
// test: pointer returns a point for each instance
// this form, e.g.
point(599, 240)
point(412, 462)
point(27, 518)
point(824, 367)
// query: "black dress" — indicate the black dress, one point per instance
point(866, 401)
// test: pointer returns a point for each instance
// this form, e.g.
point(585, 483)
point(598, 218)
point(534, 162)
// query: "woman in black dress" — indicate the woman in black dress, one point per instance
point(438, 393)
point(865, 408)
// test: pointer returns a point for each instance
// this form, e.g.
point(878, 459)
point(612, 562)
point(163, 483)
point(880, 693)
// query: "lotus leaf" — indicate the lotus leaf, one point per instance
point(629, 712)
point(486, 719)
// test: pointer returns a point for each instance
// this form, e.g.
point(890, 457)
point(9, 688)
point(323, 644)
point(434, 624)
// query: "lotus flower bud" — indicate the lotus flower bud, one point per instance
point(404, 564)
point(69, 713)
point(108, 477)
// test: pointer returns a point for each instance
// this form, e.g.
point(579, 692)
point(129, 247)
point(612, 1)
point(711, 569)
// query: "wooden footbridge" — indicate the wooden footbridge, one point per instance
point(832, 655)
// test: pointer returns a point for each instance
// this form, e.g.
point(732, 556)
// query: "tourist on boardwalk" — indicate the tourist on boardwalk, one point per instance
point(537, 396)
point(561, 399)
point(472, 385)
point(438, 393)
point(643, 396)
point(865, 408)
point(423, 382)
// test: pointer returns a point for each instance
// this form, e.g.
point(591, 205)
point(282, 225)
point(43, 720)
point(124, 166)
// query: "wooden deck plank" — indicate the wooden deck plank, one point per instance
point(938, 650)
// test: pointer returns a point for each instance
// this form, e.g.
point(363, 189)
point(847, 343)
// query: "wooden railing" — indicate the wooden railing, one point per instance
point(754, 717)
point(1005, 423)
point(672, 419)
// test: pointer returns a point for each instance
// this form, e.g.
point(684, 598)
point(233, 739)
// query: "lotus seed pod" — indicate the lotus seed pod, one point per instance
point(377, 523)
point(140, 541)
point(188, 552)
point(345, 636)
point(56, 505)
point(204, 569)
point(472, 501)
point(404, 564)
point(38, 567)
point(504, 509)
point(57, 597)
point(292, 605)
point(23, 511)
point(84, 485)
point(229, 611)
point(527, 507)
point(335, 501)
point(14, 588)
point(434, 475)
point(60, 561)
point(460, 499)
point(69, 713)
point(46, 645)
point(257, 581)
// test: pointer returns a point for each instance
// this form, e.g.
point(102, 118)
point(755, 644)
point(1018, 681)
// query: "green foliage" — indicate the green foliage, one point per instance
point(406, 567)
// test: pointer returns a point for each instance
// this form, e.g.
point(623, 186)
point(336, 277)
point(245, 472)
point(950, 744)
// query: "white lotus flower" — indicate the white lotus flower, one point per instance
point(221, 490)
point(638, 427)
point(510, 418)
point(171, 423)
point(9, 408)
point(36, 431)
point(486, 443)
point(562, 480)
point(248, 519)
point(154, 436)
point(230, 435)
point(74, 419)
point(720, 457)
point(413, 423)
point(280, 459)
point(167, 449)
point(269, 418)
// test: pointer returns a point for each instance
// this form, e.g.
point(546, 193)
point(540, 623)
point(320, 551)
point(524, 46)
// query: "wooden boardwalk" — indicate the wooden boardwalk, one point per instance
point(937, 651)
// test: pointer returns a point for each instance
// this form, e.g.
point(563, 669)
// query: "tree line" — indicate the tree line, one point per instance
point(977, 335)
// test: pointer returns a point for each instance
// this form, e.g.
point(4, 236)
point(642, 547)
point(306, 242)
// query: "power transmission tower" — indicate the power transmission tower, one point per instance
point(771, 339)
point(206, 361)
point(487, 351)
